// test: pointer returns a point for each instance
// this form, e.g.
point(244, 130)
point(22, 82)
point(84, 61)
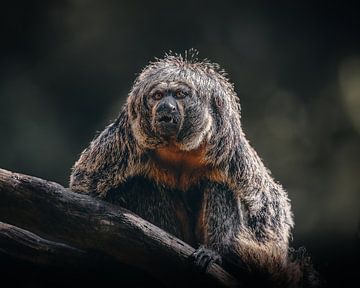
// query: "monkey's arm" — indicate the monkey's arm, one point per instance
point(105, 163)
point(249, 238)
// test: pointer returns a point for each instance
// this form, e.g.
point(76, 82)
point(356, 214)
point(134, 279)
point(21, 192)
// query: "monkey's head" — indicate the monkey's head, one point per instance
point(184, 101)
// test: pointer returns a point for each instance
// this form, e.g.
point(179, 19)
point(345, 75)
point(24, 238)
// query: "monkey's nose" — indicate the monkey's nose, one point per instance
point(166, 108)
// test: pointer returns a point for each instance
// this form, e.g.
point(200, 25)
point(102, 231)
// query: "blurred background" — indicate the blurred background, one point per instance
point(66, 68)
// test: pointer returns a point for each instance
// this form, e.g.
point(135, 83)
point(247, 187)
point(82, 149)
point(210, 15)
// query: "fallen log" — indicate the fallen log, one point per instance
point(72, 223)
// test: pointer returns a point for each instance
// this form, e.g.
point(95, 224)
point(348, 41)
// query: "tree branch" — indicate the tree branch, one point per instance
point(22, 244)
point(53, 212)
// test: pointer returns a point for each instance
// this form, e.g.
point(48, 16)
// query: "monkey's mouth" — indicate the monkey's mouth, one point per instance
point(167, 119)
point(167, 125)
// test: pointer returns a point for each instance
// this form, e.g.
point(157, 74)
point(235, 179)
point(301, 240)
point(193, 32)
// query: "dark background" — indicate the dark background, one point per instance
point(67, 66)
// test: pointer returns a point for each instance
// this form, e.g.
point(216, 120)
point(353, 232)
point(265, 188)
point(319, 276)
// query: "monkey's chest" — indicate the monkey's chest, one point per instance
point(180, 170)
point(173, 210)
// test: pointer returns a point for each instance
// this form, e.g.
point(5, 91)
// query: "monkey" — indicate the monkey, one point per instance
point(178, 157)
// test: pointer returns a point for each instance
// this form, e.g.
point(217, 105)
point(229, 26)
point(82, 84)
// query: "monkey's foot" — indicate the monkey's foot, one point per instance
point(202, 257)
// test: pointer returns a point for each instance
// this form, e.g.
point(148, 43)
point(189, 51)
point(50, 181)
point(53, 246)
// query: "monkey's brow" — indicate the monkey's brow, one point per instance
point(180, 84)
point(157, 86)
point(170, 86)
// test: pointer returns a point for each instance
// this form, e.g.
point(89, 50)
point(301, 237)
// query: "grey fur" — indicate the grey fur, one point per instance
point(238, 208)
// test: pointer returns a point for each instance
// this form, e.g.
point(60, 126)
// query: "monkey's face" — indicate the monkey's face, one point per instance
point(172, 111)
point(166, 102)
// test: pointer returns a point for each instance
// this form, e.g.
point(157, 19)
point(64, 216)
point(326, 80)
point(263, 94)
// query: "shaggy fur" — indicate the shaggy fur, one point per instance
point(206, 184)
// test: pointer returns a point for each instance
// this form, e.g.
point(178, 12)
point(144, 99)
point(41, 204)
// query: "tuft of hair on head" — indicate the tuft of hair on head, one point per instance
point(190, 57)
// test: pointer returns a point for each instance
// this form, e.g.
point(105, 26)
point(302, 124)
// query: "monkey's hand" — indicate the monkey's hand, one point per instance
point(203, 256)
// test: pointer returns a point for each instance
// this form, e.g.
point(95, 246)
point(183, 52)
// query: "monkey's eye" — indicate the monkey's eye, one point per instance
point(157, 95)
point(181, 94)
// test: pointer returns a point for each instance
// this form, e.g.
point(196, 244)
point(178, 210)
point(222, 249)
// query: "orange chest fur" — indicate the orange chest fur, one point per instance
point(181, 169)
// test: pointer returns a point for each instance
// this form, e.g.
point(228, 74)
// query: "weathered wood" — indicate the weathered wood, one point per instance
point(22, 244)
point(57, 214)
point(29, 260)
